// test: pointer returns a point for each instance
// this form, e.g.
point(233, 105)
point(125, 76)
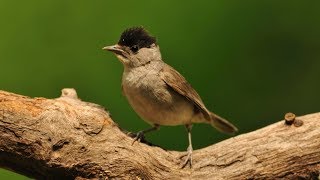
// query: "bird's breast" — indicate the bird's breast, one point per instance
point(145, 86)
point(153, 101)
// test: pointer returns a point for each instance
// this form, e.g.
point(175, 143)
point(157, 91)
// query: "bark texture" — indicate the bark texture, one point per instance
point(68, 138)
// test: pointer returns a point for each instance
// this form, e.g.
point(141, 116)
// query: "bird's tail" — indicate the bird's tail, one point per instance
point(222, 124)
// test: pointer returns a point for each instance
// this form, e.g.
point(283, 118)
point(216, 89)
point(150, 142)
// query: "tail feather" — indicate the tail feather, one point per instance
point(222, 124)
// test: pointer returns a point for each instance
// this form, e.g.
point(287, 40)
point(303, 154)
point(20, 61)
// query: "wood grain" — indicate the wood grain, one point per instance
point(71, 139)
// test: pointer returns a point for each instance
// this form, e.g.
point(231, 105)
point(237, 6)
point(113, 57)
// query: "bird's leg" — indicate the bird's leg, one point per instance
point(140, 134)
point(190, 149)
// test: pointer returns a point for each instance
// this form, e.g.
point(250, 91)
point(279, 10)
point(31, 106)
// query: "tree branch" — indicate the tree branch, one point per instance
point(69, 138)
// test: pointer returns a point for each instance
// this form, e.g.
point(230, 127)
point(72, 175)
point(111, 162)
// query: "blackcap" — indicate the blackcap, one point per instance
point(158, 93)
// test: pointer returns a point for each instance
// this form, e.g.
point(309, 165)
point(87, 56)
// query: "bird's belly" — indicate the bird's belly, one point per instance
point(156, 104)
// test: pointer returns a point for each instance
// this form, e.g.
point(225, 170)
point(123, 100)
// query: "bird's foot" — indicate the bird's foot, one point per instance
point(188, 158)
point(139, 137)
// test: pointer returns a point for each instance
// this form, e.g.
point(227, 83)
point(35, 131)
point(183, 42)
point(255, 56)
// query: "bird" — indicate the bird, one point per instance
point(157, 92)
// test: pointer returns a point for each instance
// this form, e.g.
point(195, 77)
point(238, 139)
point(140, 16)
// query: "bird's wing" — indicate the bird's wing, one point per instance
point(178, 83)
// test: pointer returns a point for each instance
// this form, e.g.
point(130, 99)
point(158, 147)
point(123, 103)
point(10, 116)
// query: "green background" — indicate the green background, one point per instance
point(251, 61)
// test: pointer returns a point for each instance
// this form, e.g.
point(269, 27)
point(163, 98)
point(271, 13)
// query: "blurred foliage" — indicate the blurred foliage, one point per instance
point(251, 61)
point(8, 175)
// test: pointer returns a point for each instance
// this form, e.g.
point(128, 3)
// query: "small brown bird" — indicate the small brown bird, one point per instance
point(158, 93)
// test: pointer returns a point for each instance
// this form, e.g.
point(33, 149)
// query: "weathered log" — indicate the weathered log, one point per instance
point(69, 138)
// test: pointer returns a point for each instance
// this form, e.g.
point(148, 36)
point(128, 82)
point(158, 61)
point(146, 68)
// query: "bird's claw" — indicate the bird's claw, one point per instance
point(188, 158)
point(139, 137)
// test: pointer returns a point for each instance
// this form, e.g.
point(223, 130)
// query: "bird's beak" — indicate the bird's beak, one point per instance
point(115, 49)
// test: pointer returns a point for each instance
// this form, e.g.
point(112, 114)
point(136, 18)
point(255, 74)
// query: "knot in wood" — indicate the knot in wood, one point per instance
point(289, 118)
point(69, 92)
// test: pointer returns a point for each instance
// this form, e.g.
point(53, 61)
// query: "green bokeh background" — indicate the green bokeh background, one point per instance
point(251, 61)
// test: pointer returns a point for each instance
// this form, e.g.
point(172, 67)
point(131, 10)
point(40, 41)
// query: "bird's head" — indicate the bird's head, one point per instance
point(136, 47)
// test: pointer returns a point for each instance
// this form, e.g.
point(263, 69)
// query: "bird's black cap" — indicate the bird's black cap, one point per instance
point(136, 38)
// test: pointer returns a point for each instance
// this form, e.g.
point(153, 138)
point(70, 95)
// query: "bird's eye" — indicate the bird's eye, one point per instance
point(134, 48)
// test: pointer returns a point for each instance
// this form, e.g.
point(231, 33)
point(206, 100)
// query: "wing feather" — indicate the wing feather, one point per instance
point(178, 83)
